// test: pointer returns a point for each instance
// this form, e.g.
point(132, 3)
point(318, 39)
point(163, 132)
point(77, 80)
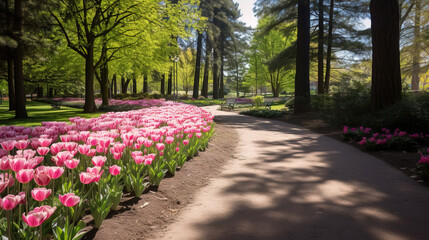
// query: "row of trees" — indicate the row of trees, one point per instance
point(74, 42)
point(136, 42)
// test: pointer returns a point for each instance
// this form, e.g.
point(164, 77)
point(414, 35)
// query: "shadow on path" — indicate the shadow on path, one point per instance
point(290, 183)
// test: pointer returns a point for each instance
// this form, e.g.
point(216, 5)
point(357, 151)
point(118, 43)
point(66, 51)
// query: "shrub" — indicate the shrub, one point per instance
point(264, 113)
point(258, 100)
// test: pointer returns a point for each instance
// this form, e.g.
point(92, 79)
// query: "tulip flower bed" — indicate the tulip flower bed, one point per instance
point(393, 140)
point(140, 103)
point(53, 174)
point(386, 139)
point(423, 164)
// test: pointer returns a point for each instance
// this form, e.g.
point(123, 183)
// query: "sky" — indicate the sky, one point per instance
point(246, 9)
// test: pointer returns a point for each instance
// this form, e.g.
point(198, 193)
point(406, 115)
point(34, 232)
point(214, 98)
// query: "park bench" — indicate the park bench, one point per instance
point(267, 104)
point(228, 104)
point(55, 106)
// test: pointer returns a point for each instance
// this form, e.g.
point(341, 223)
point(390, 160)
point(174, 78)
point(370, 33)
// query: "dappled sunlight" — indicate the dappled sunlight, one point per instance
point(290, 183)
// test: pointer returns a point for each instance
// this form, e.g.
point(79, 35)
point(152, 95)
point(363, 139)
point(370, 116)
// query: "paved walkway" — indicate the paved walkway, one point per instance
point(290, 183)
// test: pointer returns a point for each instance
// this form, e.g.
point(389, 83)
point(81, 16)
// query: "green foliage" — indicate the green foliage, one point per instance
point(350, 106)
point(264, 113)
point(258, 100)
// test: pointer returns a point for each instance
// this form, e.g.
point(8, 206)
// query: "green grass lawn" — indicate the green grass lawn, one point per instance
point(40, 112)
point(278, 107)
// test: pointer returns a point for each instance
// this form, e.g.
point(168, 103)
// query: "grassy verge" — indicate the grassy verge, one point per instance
point(40, 112)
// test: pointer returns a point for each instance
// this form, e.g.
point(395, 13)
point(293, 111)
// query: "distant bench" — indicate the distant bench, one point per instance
point(232, 103)
point(55, 106)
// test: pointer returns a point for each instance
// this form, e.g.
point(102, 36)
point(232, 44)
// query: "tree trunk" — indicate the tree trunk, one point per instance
point(197, 66)
point(302, 77)
point(386, 69)
point(50, 92)
point(215, 74)
point(163, 85)
point(115, 86)
point(221, 84)
point(256, 75)
point(89, 106)
point(123, 87)
point(39, 92)
point(320, 50)
point(20, 111)
point(205, 88)
point(134, 85)
point(104, 84)
point(11, 84)
point(170, 81)
point(329, 51)
point(145, 84)
point(415, 80)
point(104, 76)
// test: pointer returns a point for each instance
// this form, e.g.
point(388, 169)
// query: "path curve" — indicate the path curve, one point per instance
point(287, 182)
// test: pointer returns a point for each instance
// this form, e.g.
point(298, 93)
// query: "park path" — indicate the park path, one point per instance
point(287, 182)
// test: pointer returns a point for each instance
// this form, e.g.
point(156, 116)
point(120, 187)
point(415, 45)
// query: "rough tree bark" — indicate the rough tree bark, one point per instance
point(386, 70)
point(163, 85)
point(11, 84)
point(170, 81)
point(329, 51)
point(197, 66)
point(205, 87)
point(115, 86)
point(320, 50)
point(221, 83)
point(145, 84)
point(415, 80)
point(89, 106)
point(20, 111)
point(215, 74)
point(302, 76)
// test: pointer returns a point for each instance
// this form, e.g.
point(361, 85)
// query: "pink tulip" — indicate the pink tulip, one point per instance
point(69, 199)
point(45, 142)
point(21, 198)
point(91, 153)
point(99, 161)
point(41, 177)
point(3, 185)
point(160, 146)
point(114, 170)
point(34, 143)
point(72, 163)
point(83, 149)
point(40, 194)
point(104, 142)
point(87, 178)
point(70, 146)
point(56, 148)
point(185, 142)
point(25, 175)
point(8, 145)
point(54, 172)
point(65, 138)
point(22, 144)
point(39, 214)
point(198, 135)
point(4, 163)
point(177, 149)
point(10, 202)
point(139, 159)
point(147, 143)
point(43, 150)
point(117, 156)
